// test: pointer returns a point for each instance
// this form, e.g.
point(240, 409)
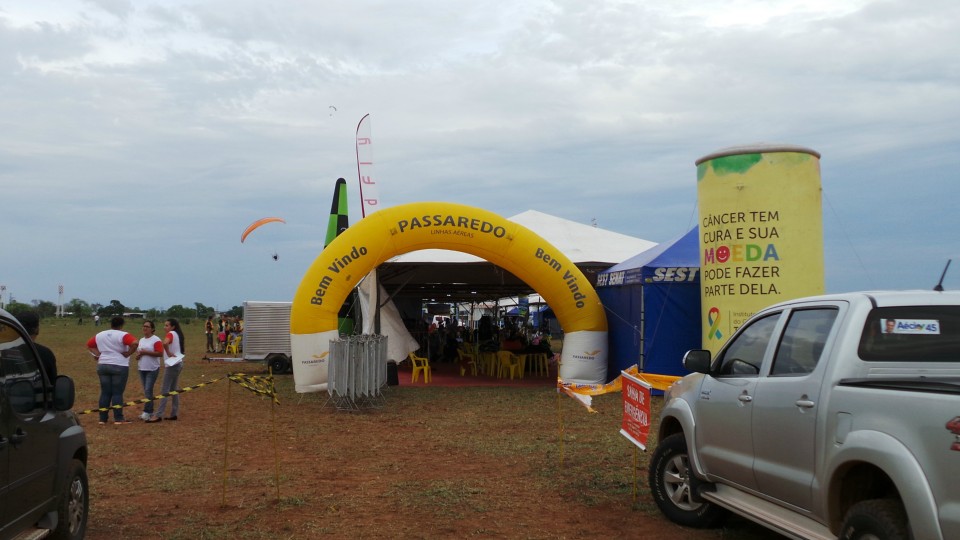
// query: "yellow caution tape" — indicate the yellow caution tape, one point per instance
point(258, 385)
point(660, 382)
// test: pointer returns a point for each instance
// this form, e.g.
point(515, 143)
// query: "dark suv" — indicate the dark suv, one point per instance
point(43, 448)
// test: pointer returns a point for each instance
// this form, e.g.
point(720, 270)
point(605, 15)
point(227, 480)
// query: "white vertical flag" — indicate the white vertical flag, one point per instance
point(369, 192)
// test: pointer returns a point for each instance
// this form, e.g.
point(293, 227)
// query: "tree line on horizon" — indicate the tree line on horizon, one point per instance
point(81, 309)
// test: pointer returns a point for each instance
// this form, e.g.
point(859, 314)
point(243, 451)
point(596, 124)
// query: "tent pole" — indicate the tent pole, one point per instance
point(643, 328)
point(376, 301)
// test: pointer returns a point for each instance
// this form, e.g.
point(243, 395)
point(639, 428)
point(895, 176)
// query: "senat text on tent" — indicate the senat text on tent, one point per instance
point(675, 274)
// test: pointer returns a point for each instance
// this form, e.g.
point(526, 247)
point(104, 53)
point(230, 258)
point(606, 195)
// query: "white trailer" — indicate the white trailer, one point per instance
point(266, 334)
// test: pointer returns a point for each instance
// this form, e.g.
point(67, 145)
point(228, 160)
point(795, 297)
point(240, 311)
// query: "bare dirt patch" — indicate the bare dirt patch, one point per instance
point(434, 462)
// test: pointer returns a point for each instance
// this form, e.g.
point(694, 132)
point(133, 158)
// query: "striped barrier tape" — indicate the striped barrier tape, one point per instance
point(258, 385)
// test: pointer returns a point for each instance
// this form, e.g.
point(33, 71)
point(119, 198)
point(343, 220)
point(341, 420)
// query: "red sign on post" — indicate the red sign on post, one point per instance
point(636, 410)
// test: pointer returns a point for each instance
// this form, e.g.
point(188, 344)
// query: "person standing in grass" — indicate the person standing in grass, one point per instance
point(223, 326)
point(112, 349)
point(173, 350)
point(31, 323)
point(149, 353)
point(208, 328)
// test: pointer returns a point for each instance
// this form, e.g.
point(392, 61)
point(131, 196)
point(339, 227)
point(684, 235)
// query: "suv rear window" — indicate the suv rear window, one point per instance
point(912, 334)
point(20, 371)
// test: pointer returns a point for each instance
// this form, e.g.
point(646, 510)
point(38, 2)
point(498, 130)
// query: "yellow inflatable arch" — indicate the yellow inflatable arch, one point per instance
point(437, 225)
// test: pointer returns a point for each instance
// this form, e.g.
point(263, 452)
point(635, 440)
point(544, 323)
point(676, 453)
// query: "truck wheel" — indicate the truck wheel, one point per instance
point(876, 519)
point(279, 363)
point(72, 510)
point(669, 478)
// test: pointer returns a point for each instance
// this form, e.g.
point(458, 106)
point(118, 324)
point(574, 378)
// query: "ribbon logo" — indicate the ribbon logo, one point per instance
point(714, 332)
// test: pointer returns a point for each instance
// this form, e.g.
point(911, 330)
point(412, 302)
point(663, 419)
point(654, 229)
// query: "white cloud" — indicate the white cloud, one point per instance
point(144, 123)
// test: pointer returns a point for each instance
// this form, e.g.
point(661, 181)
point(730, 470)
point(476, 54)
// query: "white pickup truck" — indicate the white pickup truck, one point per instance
point(823, 417)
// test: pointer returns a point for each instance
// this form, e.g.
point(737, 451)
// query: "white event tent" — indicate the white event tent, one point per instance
point(451, 276)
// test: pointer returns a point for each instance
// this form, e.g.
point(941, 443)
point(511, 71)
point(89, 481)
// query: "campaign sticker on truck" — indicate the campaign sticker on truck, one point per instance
point(910, 326)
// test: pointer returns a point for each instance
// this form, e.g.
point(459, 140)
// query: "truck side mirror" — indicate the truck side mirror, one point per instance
point(697, 361)
point(63, 393)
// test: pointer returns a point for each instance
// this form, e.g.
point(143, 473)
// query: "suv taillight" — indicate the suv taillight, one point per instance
point(953, 426)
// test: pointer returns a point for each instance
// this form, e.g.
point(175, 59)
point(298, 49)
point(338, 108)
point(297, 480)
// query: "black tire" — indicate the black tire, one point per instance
point(73, 507)
point(669, 478)
point(278, 363)
point(876, 519)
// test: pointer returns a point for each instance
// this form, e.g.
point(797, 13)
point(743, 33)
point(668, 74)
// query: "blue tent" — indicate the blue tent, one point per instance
point(652, 302)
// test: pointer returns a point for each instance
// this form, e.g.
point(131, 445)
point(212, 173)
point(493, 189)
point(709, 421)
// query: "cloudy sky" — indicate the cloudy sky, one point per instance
point(138, 139)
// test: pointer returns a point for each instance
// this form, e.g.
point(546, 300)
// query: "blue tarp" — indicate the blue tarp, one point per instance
point(652, 302)
point(531, 312)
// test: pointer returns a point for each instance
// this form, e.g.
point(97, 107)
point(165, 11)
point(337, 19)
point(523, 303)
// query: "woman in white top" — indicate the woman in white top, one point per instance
point(149, 353)
point(173, 349)
point(112, 349)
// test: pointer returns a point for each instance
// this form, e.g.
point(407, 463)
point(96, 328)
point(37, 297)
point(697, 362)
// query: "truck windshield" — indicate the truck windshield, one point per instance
point(912, 334)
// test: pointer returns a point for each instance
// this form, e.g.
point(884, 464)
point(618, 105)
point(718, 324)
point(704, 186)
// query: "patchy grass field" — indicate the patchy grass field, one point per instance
point(434, 462)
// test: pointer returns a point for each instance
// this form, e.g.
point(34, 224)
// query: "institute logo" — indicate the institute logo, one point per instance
point(713, 319)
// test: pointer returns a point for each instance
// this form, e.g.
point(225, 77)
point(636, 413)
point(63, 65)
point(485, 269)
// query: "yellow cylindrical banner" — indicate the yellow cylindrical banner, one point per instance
point(761, 233)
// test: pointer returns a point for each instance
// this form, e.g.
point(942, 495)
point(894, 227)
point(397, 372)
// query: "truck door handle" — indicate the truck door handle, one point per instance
point(745, 398)
point(805, 403)
point(18, 437)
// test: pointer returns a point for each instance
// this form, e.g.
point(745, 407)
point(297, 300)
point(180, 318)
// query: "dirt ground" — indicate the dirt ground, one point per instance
point(432, 462)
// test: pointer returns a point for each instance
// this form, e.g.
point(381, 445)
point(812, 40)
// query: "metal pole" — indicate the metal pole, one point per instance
point(226, 439)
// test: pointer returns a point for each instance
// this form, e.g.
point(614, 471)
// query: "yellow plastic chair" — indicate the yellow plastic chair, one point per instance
point(420, 365)
point(541, 364)
point(507, 362)
point(488, 363)
point(233, 344)
point(466, 362)
point(521, 363)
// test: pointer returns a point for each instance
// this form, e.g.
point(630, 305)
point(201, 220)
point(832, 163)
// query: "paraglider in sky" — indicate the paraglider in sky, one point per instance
point(334, 110)
point(257, 224)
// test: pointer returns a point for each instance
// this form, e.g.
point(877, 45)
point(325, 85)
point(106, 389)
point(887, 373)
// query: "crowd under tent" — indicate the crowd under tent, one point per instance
point(652, 301)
